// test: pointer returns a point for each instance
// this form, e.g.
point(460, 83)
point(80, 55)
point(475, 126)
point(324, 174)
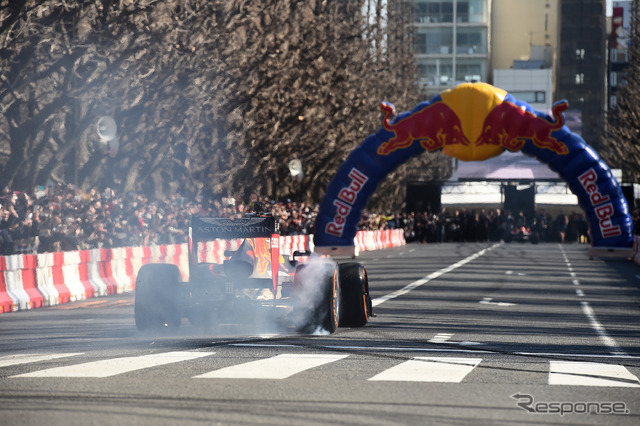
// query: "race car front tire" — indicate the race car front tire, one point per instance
point(156, 297)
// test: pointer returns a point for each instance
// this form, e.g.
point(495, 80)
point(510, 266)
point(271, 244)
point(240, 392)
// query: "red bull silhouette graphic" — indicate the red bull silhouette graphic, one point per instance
point(434, 126)
point(510, 126)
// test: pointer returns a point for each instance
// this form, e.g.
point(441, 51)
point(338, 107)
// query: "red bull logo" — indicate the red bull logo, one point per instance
point(510, 126)
point(474, 112)
point(345, 201)
point(435, 126)
point(603, 209)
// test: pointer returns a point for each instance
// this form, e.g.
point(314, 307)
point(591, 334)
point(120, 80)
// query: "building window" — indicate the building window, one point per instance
point(434, 41)
point(441, 11)
point(531, 97)
point(579, 54)
point(435, 72)
point(579, 78)
point(471, 40)
point(434, 11)
point(421, 43)
point(619, 55)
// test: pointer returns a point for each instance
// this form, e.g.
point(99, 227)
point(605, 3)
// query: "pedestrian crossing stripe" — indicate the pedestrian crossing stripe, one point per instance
point(429, 369)
point(436, 369)
point(278, 367)
point(590, 374)
point(9, 360)
point(115, 366)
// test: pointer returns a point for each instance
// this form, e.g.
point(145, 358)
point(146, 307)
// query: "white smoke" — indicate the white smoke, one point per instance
point(297, 313)
point(311, 293)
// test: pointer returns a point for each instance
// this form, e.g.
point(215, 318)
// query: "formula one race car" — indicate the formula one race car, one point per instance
point(521, 234)
point(237, 275)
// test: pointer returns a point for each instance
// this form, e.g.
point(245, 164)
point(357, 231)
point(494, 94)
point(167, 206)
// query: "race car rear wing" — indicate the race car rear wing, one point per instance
point(211, 228)
point(204, 229)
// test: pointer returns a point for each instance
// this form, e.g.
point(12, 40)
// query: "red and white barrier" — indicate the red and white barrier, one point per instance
point(100, 286)
point(118, 267)
point(71, 275)
point(7, 302)
point(49, 279)
point(83, 258)
point(44, 277)
point(22, 291)
point(133, 261)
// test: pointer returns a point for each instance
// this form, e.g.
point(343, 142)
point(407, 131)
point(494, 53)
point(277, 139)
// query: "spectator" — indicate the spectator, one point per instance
point(62, 217)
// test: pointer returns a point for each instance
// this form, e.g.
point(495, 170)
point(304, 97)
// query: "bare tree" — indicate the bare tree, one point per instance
point(209, 96)
point(622, 139)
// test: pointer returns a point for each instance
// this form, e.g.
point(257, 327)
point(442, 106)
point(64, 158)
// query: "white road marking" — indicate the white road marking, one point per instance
point(115, 366)
point(590, 374)
point(277, 367)
point(600, 330)
point(579, 292)
point(441, 338)
point(613, 346)
point(488, 301)
point(9, 360)
point(412, 286)
point(429, 369)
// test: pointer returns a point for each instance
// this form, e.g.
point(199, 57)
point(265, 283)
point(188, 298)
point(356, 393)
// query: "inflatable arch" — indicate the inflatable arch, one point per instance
point(474, 122)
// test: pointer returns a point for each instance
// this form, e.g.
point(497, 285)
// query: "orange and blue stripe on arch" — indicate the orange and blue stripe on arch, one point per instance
point(474, 122)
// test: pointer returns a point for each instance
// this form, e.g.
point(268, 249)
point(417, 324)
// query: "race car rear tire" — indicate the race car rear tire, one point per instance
point(318, 304)
point(156, 297)
point(356, 302)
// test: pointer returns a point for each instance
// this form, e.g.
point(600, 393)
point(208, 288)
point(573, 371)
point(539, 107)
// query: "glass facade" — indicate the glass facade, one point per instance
point(451, 40)
point(441, 11)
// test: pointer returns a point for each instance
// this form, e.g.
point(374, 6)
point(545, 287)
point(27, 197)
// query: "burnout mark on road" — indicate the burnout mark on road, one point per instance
point(95, 304)
point(409, 287)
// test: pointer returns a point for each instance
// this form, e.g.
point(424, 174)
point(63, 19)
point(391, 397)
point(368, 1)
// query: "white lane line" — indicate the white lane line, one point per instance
point(608, 341)
point(590, 374)
point(429, 369)
point(412, 286)
point(277, 367)
point(115, 366)
point(600, 330)
point(9, 360)
point(488, 301)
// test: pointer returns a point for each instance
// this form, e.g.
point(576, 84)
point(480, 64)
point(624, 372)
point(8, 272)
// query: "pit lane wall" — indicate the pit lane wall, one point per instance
point(29, 281)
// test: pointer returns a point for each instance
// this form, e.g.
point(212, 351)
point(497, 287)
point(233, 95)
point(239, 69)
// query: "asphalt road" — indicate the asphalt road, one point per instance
point(464, 334)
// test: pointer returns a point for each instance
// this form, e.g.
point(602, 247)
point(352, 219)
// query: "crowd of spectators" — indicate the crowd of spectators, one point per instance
point(481, 225)
point(63, 217)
